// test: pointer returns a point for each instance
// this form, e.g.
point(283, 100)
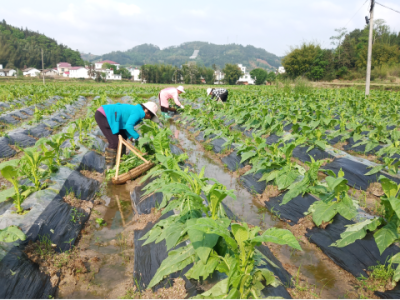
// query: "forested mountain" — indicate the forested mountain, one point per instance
point(209, 54)
point(22, 47)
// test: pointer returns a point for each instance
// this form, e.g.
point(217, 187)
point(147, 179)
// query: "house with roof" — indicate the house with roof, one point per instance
point(7, 72)
point(78, 72)
point(135, 73)
point(246, 77)
point(50, 72)
point(31, 72)
point(99, 65)
point(63, 67)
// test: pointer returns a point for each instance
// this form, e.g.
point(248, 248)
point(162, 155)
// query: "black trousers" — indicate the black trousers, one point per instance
point(224, 96)
point(106, 130)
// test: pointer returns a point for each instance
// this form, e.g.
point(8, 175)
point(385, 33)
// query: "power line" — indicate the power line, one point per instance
point(388, 7)
point(355, 13)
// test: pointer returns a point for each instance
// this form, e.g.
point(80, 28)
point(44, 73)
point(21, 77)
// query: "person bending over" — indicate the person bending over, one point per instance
point(170, 93)
point(221, 95)
point(115, 119)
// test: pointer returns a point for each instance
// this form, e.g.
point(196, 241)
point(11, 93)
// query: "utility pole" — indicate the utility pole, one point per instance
point(43, 68)
point(371, 31)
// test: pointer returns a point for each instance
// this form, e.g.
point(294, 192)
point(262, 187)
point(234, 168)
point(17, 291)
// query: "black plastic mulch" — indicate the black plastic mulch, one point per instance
point(232, 161)
point(251, 183)
point(354, 173)
point(292, 211)
point(354, 258)
point(301, 153)
point(361, 148)
point(5, 149)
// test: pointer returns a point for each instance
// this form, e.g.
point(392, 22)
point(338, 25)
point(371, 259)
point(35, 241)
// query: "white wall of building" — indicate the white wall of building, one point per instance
point(78, 73)
point(32, 73)
point(135, 72)
point(1, 66)
point(281, 70)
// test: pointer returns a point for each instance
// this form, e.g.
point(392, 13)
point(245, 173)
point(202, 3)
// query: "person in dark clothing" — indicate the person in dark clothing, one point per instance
point(120, 119)
point(219, 94)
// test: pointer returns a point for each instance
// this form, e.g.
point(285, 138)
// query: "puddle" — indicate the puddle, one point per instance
point(109, 244)
point(316, 268)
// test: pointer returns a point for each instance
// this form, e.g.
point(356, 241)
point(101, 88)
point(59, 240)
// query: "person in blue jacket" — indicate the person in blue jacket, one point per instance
point(115, 119)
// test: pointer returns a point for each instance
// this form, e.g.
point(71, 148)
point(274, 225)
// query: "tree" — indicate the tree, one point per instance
point(300, 60)
point(337, 40)
point(381, 54)
point(260, 75)
point(232, 73)
point(271, 77)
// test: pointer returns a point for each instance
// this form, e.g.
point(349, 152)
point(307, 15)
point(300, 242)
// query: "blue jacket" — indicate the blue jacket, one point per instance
point(124, 116)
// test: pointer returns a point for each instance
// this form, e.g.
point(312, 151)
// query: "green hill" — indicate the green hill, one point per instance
point(22, 47)
point(209, 54)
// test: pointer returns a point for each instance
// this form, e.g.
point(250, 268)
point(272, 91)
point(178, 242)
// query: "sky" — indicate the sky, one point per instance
point(102, 26)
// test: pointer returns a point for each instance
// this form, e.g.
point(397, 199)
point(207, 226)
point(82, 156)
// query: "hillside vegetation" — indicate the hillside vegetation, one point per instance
point(209, 55)
point(22, 47)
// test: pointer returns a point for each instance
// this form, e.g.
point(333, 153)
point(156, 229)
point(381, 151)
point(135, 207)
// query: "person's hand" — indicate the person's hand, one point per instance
point(182, 106)
point(132, 140)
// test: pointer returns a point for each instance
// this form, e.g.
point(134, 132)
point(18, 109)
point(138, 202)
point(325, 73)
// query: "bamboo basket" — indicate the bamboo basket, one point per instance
point(134, 173)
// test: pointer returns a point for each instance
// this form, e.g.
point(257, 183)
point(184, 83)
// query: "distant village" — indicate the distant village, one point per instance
point(66, 70)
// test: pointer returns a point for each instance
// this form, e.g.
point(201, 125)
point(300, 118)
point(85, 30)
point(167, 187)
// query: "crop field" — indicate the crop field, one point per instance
point(288, 192)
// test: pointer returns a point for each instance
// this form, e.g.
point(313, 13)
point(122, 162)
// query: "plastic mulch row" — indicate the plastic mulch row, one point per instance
point(27, 280)
point(355, 258)
point(26, 137)
point(148, 258)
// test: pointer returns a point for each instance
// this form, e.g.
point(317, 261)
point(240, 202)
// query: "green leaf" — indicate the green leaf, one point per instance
point(396, 275)
point(202, 243)
point(356, 232)
point(375, 170)
point(320, 144)
point(240, 233)
point(13, 163)
point(269, 176)
point(324, 212)
point(176, 261)
point(286, 179)
point(217, 291)
point(389, 187)
point(200, 269)
point(245, 156)
point(10, 173)
point(11, 234)
point(346, 208)
point(334, 182)
point(386, 236)
point(278, 236)
point(395, 203)
point(6, 194)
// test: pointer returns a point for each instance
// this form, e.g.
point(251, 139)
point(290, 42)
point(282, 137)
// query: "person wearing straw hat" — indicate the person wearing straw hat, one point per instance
point(170, 93)
point(221, 95)
point(115, 119)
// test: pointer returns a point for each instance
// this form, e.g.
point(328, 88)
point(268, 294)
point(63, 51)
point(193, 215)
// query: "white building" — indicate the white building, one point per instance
point(78, 72)
point(32, 72)
point(63, 67)
point(50, 72)
point(1, 66)
point(7, 72)
point(246, 77)
point(99, 65)
point(281, 70)
point(135, 72)
point(219, 77)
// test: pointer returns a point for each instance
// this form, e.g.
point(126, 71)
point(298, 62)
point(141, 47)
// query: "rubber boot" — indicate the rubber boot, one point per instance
point(111, 156)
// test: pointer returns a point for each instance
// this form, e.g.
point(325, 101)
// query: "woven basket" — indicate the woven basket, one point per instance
point(132, 174)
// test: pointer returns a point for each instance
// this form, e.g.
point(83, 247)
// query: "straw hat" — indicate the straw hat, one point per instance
point(151, 106)
point(180, 88)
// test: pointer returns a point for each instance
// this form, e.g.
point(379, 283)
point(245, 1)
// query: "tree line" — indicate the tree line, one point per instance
point(20, 48)
point(193, 74)
point(348, 58)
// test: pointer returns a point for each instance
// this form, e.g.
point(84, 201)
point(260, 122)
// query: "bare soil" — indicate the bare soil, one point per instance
point(75, 202)
point(177, 291)
point(269, 192)
point(93, 175)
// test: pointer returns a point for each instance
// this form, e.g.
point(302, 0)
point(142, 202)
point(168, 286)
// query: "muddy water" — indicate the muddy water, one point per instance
point(315, 267)
point(110, 245)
